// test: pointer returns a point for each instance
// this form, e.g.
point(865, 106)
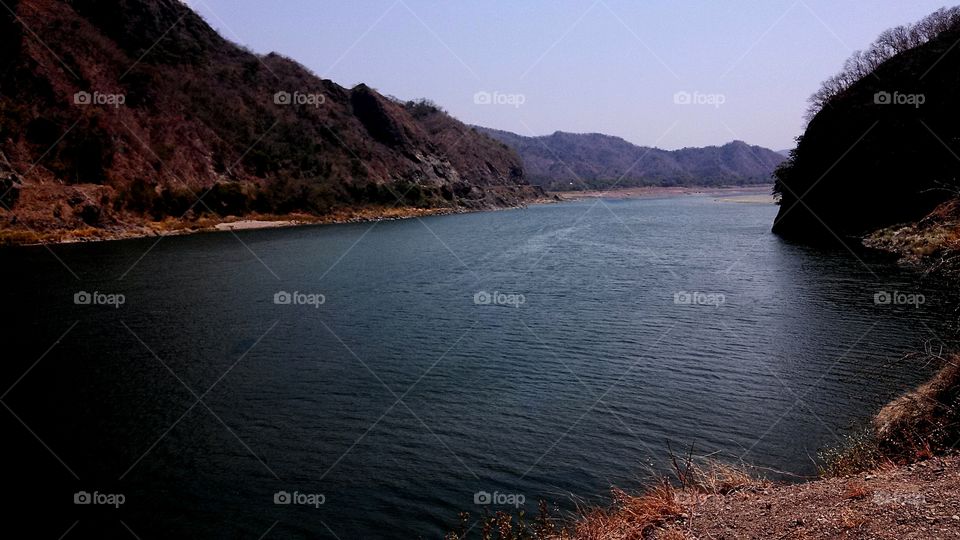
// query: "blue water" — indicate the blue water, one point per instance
point(400, 397)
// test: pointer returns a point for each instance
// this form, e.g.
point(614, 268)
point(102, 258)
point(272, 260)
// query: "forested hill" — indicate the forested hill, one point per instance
point(565, 161)
point(883, 140)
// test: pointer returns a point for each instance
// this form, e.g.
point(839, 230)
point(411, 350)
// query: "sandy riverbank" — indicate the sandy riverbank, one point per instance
point(207, 224)
point(248, 224)
point(745, 193)
point(176, 227)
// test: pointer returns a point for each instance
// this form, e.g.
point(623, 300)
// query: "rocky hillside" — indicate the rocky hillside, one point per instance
point(565, 161)
point(883, 142)
point(116, 112)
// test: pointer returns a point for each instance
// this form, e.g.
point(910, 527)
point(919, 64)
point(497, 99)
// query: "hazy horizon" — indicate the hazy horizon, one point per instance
point(762, 60)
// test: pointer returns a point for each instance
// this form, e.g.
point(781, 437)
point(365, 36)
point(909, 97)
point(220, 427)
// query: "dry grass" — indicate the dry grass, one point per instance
point(17, 237)
point(506, 526)
point(715, 478)
point(851, 519)
point(857, 453)
point(631, 516)
point(664, 504)
point(925, 422)
point(918, 425)
point(857, 490)
point(664, 507)
point(932, 244)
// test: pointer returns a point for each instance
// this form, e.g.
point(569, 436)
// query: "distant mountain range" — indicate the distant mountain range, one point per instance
point(565, 161)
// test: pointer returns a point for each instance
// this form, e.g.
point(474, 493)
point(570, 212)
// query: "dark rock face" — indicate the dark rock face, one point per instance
point(156, 127)
point(372, 112)
point(883, 151)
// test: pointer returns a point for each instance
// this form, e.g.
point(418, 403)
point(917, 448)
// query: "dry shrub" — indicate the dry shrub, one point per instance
point(712, 477)
point(857, 453)
point(715, 478)
point(651, 508)
point(18, 237)
point(507, 526)
point(632, 516)
point(635, 516)
point(916, 426)
point(857, 490)
point(924, 422)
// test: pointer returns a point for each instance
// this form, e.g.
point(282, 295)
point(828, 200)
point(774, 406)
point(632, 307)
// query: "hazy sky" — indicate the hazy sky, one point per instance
point(608, 66)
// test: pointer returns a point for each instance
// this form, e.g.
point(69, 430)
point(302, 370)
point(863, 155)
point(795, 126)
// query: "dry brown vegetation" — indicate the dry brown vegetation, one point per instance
point(202, 133)
point(916, 426)
point(922, 423)
point(667, 505)
point(933, 243)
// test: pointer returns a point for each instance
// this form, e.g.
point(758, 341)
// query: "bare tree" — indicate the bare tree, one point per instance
point(889, 44)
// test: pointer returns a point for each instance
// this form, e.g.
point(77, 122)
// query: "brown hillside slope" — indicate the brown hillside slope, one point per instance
point(117, 112)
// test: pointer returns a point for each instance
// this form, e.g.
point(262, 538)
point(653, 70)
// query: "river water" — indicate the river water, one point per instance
point(421, 364)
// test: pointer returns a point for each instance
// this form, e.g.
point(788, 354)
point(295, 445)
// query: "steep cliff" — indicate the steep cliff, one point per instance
point(883, 145)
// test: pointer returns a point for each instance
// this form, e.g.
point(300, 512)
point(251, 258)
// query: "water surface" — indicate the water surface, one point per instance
point(400, 397)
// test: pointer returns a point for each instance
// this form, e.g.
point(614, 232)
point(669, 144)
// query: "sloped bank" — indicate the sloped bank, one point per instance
point(913, 501)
